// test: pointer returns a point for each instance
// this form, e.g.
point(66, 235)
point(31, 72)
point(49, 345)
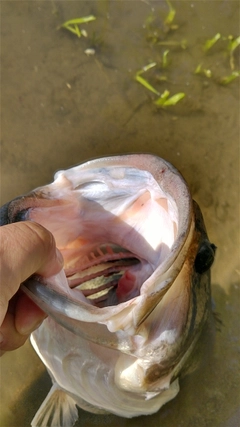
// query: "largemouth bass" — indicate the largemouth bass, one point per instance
point(134, 294)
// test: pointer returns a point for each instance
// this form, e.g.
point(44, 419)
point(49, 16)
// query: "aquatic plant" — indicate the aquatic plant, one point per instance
point(163, 100)
point(143, 81)
point(228, 79)
point(157, 30)
point(170, 17)
point(232, 45)
point(73, 25)
point(211, 42)
point(158, 34)
point(165, 60)
point(204, 71)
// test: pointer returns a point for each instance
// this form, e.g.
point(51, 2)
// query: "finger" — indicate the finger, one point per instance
point(22, 318)
point(28, 316)
point(10, 337)
point(25, 248)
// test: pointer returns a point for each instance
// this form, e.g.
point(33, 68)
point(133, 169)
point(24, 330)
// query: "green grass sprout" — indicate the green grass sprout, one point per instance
point(198, 69)
point(171, 14)
point(158, 30)
point(174, 99)
point(165, 60)
point(165, 101)
point(143, 81)
point(172, 43)
point(204, 71)
point(146, 68)
point(208, 73)
point(72, 24)
point(229, 79)
point(163, 98)
point(161, 78)
point(232, 45)
point(211, 42)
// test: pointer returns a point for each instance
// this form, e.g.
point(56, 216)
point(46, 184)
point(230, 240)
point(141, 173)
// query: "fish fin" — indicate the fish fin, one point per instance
point(58, 409)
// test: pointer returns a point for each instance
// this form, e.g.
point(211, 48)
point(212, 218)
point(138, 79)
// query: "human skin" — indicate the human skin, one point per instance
point(25, 248)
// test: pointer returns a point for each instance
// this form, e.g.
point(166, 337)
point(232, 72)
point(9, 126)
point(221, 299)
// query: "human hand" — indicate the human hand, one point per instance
point(25, 248)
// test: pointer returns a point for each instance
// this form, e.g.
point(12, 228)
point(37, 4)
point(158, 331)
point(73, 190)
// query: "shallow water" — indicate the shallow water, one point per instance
point(61, 107)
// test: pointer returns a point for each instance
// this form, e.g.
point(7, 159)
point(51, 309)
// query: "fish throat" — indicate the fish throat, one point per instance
point(105, 276)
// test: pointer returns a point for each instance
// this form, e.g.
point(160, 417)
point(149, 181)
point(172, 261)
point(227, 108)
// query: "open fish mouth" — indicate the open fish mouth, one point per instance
point(113, 223)
point(129, 234)
point(128, 231)
point(109, 273)
point(134, 294)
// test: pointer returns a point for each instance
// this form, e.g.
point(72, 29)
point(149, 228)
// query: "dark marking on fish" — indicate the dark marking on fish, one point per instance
point(4, 218)
point(21, 216)
point(10, 212)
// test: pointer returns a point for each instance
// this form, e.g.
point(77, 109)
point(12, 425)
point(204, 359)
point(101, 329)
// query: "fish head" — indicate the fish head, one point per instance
point(136, 262)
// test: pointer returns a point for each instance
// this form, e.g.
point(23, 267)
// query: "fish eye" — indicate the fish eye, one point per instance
point(205, 257)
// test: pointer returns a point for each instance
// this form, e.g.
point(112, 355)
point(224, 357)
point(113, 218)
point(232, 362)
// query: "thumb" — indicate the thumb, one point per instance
point(25, 248)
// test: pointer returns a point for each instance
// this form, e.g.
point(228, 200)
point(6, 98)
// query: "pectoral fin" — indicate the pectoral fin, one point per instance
point(58, 409)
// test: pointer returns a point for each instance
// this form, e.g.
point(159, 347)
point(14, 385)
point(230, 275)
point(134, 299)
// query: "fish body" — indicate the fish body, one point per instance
point(134, 294)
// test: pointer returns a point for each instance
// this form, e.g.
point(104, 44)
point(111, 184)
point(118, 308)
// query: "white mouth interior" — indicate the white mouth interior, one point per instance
point(114, 227)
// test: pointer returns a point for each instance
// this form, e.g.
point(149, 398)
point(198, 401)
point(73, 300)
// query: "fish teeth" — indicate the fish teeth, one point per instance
point(109, 250)
point(100, 270)
point(92, 254)
point(99, 255)
point(100, 252)
point(85, 260)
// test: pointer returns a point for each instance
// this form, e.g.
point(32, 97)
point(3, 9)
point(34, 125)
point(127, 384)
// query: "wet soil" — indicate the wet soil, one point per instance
point(61, 107)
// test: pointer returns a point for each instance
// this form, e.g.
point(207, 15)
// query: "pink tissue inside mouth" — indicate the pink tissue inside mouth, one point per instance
point(125, 285)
